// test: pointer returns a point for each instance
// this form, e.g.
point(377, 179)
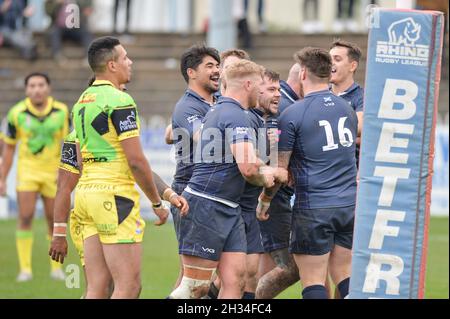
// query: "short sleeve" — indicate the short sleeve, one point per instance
point(287, 131)
point(359, 106)
point(10, 129)
point(69, 160)
point(237, 128)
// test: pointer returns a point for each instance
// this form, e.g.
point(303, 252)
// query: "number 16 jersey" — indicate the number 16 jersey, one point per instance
point(320, 130)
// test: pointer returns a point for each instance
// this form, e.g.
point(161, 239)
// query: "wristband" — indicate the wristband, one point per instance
point(60, 225)
point(157, 205)
point(264, 198)
point(59, 235)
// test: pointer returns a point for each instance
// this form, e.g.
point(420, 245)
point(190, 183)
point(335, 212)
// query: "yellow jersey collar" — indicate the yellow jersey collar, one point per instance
point(36, 111)
point(102, 82)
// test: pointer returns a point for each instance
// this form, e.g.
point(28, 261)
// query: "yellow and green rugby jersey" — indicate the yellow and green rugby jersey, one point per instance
point(69, 158)
point(102, 118)
point(40, 133)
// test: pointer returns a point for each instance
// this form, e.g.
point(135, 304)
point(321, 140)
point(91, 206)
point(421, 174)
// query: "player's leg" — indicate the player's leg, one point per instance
point(266, 264)
point(313, 270)
point(276, 234)
point(340, 269)
point(251, 281)
point(214, 287)
point(56, 271)
point(311, 242)
point(284, 275)
point(124, 264)
point(232, 269)
point(341, 255)
point(254, 251)
point(232, 263)
point(26, 201)
point(196, 280)
point(97, 272)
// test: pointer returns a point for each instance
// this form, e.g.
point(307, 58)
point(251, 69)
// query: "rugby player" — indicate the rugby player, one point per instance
point(212, 235)
point(106, 125)
point(200, 69)
point(277, 268)
point(318, 133)
point(268, 100)
point(39, 123)
point(346, 56)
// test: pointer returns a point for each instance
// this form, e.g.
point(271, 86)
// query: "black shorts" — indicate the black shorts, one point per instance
point(253, 233)
point(210, 228)
point(276, 231)
point(316, 231)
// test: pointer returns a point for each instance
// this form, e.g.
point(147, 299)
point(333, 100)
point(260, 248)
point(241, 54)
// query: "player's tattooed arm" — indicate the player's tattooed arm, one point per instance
point(161, 186)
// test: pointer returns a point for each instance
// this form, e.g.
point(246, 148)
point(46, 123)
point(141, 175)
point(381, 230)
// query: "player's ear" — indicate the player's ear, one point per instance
point(192, 74)
point(111, 66)
point(354, 66)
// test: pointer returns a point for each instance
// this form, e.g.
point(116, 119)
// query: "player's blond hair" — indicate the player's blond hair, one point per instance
point(243, 69)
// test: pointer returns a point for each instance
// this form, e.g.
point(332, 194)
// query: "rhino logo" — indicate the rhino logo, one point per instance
point(405, 31)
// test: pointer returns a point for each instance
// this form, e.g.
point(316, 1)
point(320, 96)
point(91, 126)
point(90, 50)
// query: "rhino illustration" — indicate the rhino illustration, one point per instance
point(405, 31)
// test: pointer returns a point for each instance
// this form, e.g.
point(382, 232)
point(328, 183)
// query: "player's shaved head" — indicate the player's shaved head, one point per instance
point(238, 53)
point(101, 51)
point(294, 72)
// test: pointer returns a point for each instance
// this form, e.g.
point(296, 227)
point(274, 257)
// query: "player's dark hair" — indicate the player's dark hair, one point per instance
point(316, 60)
point(353, 51)
point(272, 75)
point(193, 57)
point(241, 54)
point(91, 80)
point(33, 74)
point(101, 51)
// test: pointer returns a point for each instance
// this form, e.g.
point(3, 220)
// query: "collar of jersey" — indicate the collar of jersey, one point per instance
point(224, 99)
point(197, 96)
point(352, 87)
point(317, 93)
point(37, 112)
point(102, 82)
point(289, 91)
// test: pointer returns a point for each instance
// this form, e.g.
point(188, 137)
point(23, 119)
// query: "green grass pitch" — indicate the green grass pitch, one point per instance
point(160, 264)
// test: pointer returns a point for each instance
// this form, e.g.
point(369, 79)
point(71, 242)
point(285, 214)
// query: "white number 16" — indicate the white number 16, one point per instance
point(345, 135)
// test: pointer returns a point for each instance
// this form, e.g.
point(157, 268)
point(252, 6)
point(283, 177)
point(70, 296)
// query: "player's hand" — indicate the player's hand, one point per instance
point(281, 175)
point(3, 188)
point(268, 173)
point(162, 213)
point(58, 249)
point(181, 203)
point(262, 207)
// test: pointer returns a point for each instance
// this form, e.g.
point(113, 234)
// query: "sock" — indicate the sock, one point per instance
point(248, 295)
point(315, 292)
point(343, 287)
point(54, 265)
point(213, 292)
point(24, 243)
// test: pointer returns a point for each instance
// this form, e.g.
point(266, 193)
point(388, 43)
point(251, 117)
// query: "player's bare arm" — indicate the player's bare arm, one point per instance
point(249, 165)
point(168, 135)
point(66, 184)
point(168, 194)
point(7, 160)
